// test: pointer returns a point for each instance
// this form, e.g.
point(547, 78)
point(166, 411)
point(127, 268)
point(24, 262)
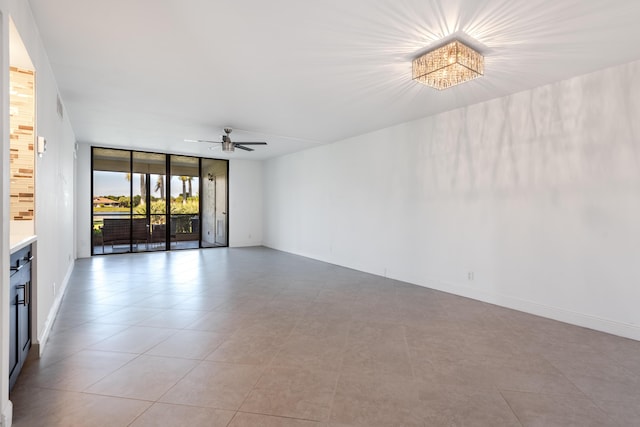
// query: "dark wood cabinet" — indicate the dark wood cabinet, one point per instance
point(20, 311)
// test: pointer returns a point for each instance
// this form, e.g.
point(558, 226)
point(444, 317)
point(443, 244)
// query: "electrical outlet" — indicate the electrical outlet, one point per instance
point(54, 288)
point(470, 275)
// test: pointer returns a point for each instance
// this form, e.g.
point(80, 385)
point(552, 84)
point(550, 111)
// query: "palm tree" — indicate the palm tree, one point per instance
point(143, 188)
point(160, 186)
point(185, 180)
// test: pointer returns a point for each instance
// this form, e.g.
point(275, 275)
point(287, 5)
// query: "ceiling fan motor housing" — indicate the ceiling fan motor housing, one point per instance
point(229, 146)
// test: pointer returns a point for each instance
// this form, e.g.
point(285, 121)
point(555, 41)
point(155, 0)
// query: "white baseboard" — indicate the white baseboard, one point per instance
point(7, 415)
point(244, 244)
point(578, 319)
point(550, 312)
point(542, 310)
point(53, 312)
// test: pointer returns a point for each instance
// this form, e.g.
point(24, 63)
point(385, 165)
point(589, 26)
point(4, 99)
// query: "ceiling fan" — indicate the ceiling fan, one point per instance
point(229, 146)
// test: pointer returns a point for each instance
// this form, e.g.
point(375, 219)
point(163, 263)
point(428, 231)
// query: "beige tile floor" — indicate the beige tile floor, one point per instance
point(256, 337)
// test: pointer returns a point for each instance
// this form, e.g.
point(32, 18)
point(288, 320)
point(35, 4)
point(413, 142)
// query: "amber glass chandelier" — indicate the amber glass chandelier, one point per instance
point(447, 66)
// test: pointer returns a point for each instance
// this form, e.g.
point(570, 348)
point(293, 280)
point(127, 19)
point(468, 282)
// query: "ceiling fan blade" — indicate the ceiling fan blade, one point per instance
point(251, 143)
point(199, 140)
point(235, 144)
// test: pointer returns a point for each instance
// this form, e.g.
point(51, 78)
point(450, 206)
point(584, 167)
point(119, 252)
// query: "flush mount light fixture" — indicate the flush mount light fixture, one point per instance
point(447, 66)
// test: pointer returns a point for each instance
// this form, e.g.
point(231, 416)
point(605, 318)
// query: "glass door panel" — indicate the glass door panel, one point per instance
point(111, 212)
point(149, 202)
point(184, 226)
point(158, 212)
point(214, 203)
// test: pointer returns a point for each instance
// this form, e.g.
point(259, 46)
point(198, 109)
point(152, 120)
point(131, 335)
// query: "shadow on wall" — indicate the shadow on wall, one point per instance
point(554, 138)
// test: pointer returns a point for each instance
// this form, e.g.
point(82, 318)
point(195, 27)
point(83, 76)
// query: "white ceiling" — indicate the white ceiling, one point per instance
point(149, 73)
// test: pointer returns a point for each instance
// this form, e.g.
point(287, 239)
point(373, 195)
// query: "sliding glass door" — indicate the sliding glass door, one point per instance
point(214, 203)
point(152, 202)
point(185, 201)
point(111, 213)
point(149, 199)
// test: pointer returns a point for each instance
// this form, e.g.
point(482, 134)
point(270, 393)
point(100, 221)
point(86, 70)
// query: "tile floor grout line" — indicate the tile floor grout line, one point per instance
point(333, 397)
point(280, 416)
point(253, 387)
point(140, 415)
point(510, 407)
point(235, 414)
point(340, 373)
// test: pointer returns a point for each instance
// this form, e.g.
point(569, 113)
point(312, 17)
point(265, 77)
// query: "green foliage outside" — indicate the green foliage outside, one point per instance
point(158, 209)
point(182, 224)
point(177, 207)
point(110, 209)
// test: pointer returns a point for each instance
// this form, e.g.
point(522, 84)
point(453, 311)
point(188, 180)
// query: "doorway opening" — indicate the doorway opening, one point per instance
point(23, 290)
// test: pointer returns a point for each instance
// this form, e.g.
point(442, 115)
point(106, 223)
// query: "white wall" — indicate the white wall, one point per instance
point(245, 203)
point(54, 182)
point(55, 226)
point(54, 187)
point(537, 194)
point(5, 404)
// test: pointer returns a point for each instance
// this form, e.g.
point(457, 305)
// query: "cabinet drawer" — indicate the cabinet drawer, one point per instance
point(21, 260)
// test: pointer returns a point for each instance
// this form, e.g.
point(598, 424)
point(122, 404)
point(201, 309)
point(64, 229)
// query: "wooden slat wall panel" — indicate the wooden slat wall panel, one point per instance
point(22, 156)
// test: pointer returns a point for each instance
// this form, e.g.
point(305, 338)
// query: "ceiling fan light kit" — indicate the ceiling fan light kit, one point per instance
point(227, 145)
point(448, 66)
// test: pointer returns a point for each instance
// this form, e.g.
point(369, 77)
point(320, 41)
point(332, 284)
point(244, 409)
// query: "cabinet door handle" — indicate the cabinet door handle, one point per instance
point(24, 291)
point(25, 295)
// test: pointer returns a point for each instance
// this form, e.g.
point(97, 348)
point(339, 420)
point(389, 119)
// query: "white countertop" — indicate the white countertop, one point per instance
point(21, 234)
point(17, 242)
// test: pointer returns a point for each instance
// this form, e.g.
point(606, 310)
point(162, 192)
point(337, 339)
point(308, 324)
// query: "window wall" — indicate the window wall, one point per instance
point(152, 202)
